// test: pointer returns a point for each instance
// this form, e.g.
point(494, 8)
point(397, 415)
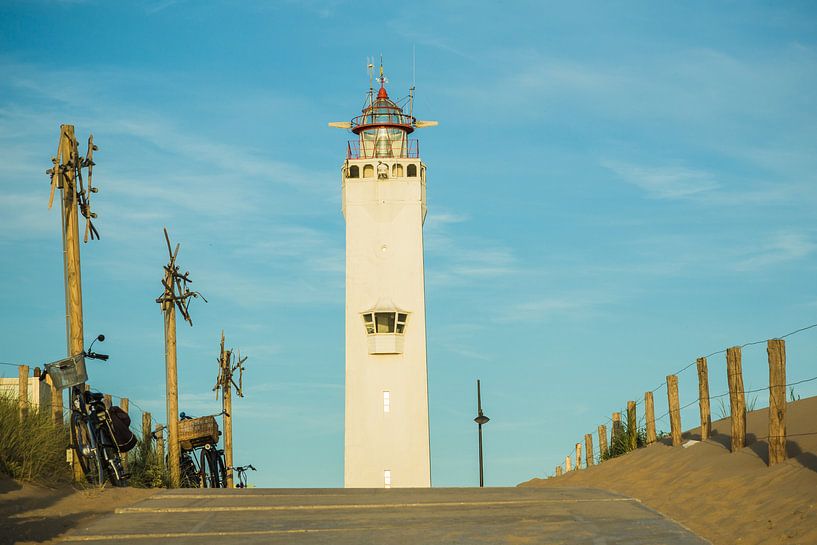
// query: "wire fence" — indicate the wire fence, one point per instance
point(643, 418)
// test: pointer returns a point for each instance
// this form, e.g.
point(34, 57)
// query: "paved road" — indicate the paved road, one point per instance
point(449, 516)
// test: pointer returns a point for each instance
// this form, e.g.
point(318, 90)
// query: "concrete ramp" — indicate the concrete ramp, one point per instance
point(450, 516)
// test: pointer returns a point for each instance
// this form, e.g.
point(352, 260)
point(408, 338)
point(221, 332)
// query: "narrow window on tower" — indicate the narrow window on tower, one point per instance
point(367, 319)
point(387, 478)
point(368, 171)
point(354, 171)
point(401, 322)
point(411, 171)
point(397, 171)
point(384, 322)
point(386, 401)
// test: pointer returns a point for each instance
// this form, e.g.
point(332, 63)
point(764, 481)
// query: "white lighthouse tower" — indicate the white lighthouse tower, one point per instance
point(384, 204)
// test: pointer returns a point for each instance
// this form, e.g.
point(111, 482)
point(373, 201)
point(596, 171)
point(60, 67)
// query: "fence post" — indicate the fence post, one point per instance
point(649, 417)
point(602, 442)
point(588, 450)
point(558, 471)
point(616, 433)
point(567, 464)
point(108, 401)
point(578, 456)
point(56, 401)
point(632, 426)
point(776, 349)
point(160, 444)
point(703, 399)
point(22, 390)
point(737, 402)
point(146, 430)
point(674, 409)
point(125, 406)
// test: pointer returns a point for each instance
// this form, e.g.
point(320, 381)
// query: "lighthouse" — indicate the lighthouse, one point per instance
point(386, 442)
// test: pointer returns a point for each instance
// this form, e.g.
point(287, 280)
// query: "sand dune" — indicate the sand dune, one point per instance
point(728, 498)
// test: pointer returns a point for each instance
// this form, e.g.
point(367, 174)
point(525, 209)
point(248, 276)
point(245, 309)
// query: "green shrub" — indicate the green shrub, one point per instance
point(145, 467)
point(32, 448)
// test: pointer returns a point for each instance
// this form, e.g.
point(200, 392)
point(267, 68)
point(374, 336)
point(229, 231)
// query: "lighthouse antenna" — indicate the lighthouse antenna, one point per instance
point(413, 79)
point(370, 68)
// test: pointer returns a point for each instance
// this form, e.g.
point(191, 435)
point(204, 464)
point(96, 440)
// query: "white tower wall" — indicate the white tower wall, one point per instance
point(384, 270)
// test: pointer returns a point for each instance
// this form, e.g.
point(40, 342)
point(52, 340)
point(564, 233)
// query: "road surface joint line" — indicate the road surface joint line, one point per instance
point(236, 533)
point(129, 510)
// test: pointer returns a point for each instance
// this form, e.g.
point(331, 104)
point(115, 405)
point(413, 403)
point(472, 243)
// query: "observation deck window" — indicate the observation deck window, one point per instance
point(368, 171)
point(411, 171)
point(354, 171)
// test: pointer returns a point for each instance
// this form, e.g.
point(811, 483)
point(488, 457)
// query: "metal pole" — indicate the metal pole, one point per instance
point(480, 420)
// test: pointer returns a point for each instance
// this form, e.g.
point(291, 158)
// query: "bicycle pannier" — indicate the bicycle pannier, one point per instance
point(120, 422)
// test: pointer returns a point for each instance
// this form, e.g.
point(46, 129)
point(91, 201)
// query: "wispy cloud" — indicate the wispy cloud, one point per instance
point(673, 182)
point(777, 249)
point(577, 306)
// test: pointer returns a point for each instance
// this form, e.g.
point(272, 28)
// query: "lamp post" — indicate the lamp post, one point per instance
point(480, 420)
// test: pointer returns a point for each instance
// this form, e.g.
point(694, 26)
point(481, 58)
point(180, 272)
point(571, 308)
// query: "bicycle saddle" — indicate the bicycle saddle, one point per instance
point(94, 396)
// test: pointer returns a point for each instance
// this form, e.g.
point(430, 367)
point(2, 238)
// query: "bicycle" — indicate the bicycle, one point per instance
point(92, 428)
point(207, 469)
point(241, 474)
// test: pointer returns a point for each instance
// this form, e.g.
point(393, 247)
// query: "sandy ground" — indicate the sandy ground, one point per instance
point(34, 514)
point(728, 498)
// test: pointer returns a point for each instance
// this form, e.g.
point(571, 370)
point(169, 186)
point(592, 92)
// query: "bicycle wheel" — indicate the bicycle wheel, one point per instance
point(221, 468)
point(85, 445)
point(209, 468)
point(189, 473)
point(110, 455)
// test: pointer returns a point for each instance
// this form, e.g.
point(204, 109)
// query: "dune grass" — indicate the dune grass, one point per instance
point(32, 447)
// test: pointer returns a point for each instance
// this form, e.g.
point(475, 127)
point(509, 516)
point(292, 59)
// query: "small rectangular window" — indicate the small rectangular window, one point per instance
point(369, 323)
point(387, 478)
point(384, 322)
point(386, 401)
point(401, 322)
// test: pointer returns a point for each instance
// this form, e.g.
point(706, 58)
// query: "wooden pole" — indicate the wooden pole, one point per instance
point(124, 404)
point(108, 400)
point(649, 417)
point(578, 456)
point(160, 444)
point(567, 464)
point(558, 471)
point(66, 157)
point(632, 426)
point(602, 442)
point(776, 349)
point(22, 390)
point(737, 402)
point(227, 417)
point(588, 450)
point(674, 409)
point(703, 399)
point(616, 434)
point(172, 394)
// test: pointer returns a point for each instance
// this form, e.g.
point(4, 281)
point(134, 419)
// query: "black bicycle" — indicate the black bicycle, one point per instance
point(202, 462)
point(93, 435)
point(241, 474)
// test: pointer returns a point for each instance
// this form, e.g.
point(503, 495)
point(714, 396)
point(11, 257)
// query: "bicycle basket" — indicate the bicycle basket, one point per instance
point(68, 372)
point(197, 432)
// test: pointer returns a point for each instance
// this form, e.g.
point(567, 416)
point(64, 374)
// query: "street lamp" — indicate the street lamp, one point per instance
point(480, 420)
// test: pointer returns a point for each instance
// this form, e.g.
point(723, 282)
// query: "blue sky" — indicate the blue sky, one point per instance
point(615, 188)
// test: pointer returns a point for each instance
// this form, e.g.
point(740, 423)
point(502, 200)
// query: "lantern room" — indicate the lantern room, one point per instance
point(382, 130)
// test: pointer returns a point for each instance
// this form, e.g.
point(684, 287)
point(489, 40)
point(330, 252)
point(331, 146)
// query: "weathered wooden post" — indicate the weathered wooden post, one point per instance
point(56, 401)
point(776, 349)
point(64, 175)
point(567, 464)
point(146, 430)
point(124, 404)
point(602, 442)
point(176, 295)
point(160, 444)
point(703, 399)
point(737, 401)
point(108, 400)
point(578, 456)
point(632, 426)
point(674, 409)
point(22, 390)
point(588, 450)
point(227, 366)
point(649, 417)
point(558, 471)
point(617, 433)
